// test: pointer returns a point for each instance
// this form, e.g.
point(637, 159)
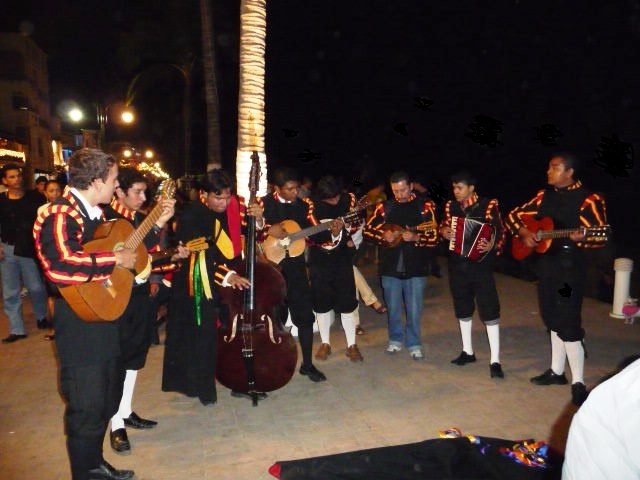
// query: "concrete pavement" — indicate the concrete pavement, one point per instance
point(386, 400)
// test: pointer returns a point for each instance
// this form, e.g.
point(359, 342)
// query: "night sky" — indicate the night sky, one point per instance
point(364, 87)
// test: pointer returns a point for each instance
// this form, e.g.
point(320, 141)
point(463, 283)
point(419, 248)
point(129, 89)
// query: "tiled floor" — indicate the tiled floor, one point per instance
point(385, 400)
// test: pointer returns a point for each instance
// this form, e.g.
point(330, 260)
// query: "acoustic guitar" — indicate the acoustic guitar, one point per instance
point(293, 245)
point(545, 233)
point(430, 228)
point(107, 300)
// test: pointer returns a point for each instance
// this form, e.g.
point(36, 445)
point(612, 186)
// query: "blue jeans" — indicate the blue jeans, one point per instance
point(411, 291)
point(14, 268)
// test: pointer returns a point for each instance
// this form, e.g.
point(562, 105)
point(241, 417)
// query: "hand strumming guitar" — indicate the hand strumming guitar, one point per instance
point(528, 237)
point(277, 231)
point(125, 257)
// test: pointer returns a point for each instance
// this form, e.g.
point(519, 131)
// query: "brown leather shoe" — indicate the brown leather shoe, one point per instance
point(324, 350)
point(354, 354)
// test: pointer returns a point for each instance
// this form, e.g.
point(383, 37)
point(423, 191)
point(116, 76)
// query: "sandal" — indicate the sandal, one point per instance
point(379, 307)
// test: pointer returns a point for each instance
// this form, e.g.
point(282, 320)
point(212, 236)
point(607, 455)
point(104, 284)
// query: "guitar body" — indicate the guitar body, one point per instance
point(545, 233)
point(429, 227)
point(111, 297)
point(276, 249)
point(519, 250)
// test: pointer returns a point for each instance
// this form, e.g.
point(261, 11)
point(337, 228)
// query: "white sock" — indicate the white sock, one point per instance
point(493, 334)
point(349, 326)
point(575, 354)
point(324, 326)
point(117, 421)
point(465, 331)
point(558, 354)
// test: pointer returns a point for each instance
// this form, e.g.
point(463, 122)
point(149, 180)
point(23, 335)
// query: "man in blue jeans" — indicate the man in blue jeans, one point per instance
point(405, 228)
point(18, 209)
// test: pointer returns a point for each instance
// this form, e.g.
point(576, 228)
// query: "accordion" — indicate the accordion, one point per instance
point(466, 234)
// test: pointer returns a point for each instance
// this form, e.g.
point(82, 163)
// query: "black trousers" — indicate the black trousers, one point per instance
point(332, 284)
point(135, 329)
point(561, 283)
point(299, 299)
point(473, 282)
point(92, 394)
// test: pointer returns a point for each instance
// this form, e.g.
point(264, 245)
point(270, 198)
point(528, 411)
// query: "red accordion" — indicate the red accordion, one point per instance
point(466, 234)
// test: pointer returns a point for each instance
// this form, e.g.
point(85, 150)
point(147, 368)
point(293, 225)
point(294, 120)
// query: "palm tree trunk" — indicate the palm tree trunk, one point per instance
point(251, 117)
point(214, 159)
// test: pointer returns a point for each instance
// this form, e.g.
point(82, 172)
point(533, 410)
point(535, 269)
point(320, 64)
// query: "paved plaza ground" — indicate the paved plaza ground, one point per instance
point(386, 400)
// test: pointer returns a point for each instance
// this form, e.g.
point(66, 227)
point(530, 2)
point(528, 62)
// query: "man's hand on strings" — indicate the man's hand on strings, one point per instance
point(236, 281)
point(168, 209)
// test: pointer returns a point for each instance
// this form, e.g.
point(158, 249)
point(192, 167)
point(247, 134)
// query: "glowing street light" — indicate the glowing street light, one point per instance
point(75, 115)
point(148, 154)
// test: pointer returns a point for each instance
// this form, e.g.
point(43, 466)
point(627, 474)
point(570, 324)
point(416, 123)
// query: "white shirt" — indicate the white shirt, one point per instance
point(95, 213)
point(604, 438)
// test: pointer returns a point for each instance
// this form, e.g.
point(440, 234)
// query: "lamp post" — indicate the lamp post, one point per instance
point(185, 71)
point(124, 114)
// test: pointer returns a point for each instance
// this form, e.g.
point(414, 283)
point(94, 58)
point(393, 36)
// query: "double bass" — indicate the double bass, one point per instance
point(256, 354)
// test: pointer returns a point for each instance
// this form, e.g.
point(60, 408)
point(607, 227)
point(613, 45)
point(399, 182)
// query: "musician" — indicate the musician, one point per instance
point(194, 308)
point(284, 204)
point(136, 323)
point(91, 372)
point(330, 266)
point(472, 281)
point(570, 205)
point(403, 268)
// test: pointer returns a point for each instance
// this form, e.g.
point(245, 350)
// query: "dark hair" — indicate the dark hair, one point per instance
point(215, 181)
point(399, 176)
point(127, 176)
point(569, 160)
point(463, 176)
point(42, 178)
point(49, 182)
point(327, 187)
point(283, 175)
point(87, 165)
point(9, 166)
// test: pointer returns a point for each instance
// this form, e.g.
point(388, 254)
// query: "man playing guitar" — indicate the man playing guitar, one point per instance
point(284, 204)
point(403, 268)
point(91, 372)
point(562, 269)
point(330, 266)
point(136, 323)
point(470, 280)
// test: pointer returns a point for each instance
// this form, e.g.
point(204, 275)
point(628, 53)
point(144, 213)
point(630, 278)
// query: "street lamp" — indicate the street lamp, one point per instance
point(122, 113)
point(185, 71)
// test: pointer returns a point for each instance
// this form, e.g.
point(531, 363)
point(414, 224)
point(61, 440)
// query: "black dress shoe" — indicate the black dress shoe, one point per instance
point(108, 472)
point(496, 370)
point(464, 358)
point(549, 378)
point(14, 337)
point(119, 440)
point(134, 421)
point(578, 393)
point(313, 373)
point(43, 324)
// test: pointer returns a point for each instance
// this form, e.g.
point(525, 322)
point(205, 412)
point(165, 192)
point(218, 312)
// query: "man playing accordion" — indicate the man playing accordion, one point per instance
point(471, 264)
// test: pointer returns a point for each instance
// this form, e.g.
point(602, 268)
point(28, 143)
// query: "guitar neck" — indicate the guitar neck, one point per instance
point(306, 232)
point(136, 238)
point(565, 233)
